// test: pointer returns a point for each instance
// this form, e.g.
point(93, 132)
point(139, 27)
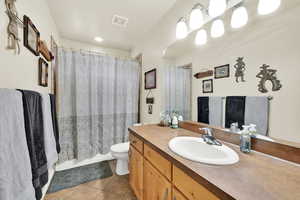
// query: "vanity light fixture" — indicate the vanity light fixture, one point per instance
point(217, 7)
point(266, 7)
point(201, 37)
point(181, 29)
point(217, 28)
point(196, 17)
point(239, 17)
point(98, 39)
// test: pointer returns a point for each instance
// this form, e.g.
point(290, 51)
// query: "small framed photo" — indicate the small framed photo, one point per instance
point(207, 86)
point(150, 79)
point(31, 36)
point(222, 71)
point(43, 73)
point(150, 109)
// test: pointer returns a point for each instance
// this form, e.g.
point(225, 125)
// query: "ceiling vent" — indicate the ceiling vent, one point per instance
point(119, 21)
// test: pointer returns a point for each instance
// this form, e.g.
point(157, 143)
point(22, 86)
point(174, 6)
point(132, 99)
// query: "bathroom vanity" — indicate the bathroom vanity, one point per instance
point(157, 173)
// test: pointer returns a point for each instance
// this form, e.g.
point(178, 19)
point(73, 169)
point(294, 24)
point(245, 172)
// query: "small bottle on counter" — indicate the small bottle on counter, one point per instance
point(245, 145)
point(174, 123)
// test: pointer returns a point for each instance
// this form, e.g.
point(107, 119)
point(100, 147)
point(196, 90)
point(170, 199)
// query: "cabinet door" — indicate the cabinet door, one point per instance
point(156, 186)
point(189, 187)
point(177, 195)
point(136, 172)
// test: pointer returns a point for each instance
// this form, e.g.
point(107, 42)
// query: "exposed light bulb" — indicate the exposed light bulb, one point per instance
point(196, 18)
point(239, 17)
point(217, 7)
point(217, 28)
point(181, 30)
point(266, 7)
point(201, 37)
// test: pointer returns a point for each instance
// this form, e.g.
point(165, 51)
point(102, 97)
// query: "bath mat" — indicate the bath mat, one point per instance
point(79, 175)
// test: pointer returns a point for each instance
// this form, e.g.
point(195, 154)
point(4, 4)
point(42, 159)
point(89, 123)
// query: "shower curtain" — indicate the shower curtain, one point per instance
point(178, 86)
point(98, 101)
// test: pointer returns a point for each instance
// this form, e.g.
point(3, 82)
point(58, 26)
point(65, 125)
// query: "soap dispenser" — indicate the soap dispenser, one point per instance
point(174, 123)
point(245, 145)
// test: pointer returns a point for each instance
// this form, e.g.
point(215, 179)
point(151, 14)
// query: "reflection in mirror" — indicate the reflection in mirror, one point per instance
point(177, 87)
point(263, 41)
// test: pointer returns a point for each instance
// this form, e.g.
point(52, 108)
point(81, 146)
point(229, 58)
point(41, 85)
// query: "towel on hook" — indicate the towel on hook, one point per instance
point(257, 112)
point(50, 144)
point(235, 110)
point(54, 121)
point(15, 168)
point(203, 110)
point(34, 127)
point(215, 111)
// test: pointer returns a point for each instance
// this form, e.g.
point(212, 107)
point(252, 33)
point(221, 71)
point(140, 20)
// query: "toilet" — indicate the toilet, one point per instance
point(120, 152)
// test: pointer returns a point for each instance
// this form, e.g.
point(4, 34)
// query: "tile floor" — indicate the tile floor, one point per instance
point(112, 188)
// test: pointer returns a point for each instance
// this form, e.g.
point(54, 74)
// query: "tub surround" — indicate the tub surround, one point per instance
point(255, 176)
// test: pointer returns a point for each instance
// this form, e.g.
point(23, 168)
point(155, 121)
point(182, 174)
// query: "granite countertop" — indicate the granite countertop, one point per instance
point(256, 176)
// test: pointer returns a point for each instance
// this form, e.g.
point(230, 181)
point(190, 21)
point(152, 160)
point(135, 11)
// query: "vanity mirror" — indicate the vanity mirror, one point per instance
point(262, 40)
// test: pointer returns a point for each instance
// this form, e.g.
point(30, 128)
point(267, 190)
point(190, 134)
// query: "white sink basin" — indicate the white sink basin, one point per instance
point(195, 149)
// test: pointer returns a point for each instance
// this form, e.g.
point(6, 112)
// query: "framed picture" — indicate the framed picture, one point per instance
point(150, 109)
point(43, 73)
point(222, 71)
point(207, 86)
point(150, 79)
point(31, 36)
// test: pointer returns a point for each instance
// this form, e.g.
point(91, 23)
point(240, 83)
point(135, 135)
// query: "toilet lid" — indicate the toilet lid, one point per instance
point(120, 148)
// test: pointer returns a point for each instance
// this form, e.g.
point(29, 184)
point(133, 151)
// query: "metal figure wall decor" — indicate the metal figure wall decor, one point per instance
point(240, 69)
point(12, 28)
point(265, 75)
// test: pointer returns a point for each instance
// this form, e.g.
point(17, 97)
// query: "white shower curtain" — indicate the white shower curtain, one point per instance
point(178, 86)
point(98, 101)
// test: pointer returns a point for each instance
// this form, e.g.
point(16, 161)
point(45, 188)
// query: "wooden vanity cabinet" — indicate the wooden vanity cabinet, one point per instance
point(153, 177)
point(189, 187)
point(136, 161)
point(156, 186)
point(177, 195)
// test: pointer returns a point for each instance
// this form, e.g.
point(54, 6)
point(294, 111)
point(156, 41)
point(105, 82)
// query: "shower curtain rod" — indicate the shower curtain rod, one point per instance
point(98, 53)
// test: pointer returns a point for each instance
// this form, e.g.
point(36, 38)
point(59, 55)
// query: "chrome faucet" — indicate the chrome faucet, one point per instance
point(209, 138)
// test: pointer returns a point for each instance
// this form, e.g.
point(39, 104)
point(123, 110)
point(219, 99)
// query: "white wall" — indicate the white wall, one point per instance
point(21, 71)
point(272, 40)
point(89, 47)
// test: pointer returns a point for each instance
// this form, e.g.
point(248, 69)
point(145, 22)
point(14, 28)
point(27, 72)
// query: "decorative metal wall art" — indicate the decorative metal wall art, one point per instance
point(12, 27)
point(265, 75)
point(240, 70)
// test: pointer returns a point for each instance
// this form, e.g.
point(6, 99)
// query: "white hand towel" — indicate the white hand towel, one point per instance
point(50, 143)
point(15, 167)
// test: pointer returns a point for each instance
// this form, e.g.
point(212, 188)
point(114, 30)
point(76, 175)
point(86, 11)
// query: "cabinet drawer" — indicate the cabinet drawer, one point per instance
point(177, 195)
point(189, 187)
point(136, 142)
point(162, 164)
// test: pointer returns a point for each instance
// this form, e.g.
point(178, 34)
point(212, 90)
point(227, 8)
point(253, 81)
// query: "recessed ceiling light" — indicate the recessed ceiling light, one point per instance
point(98, 39)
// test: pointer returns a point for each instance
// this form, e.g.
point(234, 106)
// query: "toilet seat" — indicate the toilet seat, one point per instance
point(120, 148)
